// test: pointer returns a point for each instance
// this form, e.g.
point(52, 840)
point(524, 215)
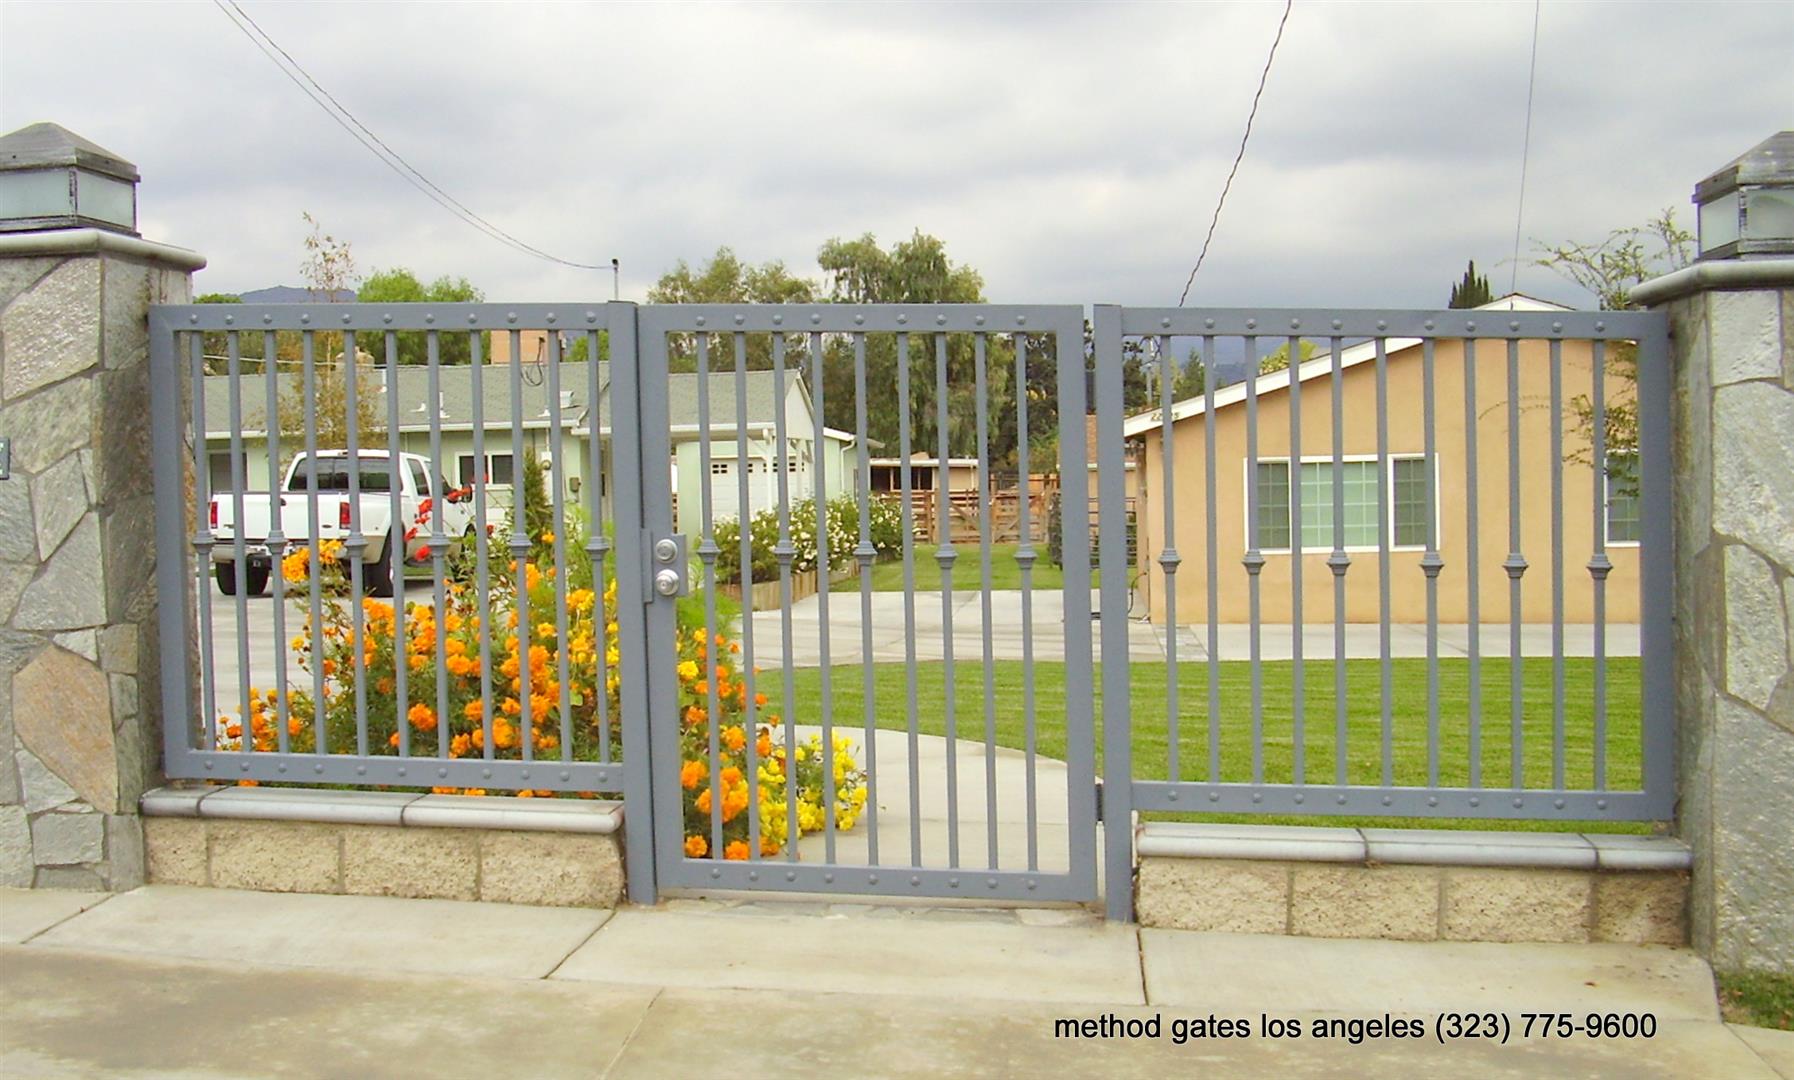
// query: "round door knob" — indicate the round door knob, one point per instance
point(666, 583)
point(665, 550)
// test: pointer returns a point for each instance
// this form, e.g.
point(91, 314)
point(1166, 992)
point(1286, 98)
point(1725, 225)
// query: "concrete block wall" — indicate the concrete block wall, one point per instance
point(79, 692)
point(1413, 885)
point(559, 853)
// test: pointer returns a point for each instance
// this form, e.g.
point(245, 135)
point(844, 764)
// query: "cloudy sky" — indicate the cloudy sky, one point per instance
point(1069, 152)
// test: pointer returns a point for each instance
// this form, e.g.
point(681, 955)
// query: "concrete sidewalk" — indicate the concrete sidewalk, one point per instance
point(195, 982)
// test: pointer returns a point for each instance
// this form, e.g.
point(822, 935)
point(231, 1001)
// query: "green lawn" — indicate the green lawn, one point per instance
point(1363, 721)
point(968, 569)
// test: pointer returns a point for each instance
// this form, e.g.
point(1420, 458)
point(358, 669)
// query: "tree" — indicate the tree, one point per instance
point(1191, 378)
point(400, 286)
point(1609, 269)
point(917, 271)
point(1278, 359)
point(1471, 292)
point(725, 279)
point(215, 344)
point(329, 272)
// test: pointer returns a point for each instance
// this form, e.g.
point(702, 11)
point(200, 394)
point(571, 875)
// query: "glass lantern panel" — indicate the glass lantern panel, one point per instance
point(34, 193)
point(106, 198)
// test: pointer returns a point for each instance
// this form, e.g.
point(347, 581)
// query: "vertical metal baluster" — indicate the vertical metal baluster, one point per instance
point(944, 555)
point(481, 540)
point(783, 551)
point(1024, 557)
point(1212, 556)
point(556, 450)
point(1339, 562)
point(744, 517)
point(1430, 565)
point(357, 542)
point(1515, 567)
point(1598, 564)
point(308, 362)
point(909, 598)
point(1472, 569)
point(520, 548)
point(1383, 653)
point(819, 490)
point(239, 543)
point(395, 552)
point(597, 549)
point(1557, 566)
point(711, 670)
point(277, 539)
point(1298, 706)
point(981, 389)
point(864, 553)
point(204, 541)
point(438, 541)
point(1254, 560)
point(1168, 556)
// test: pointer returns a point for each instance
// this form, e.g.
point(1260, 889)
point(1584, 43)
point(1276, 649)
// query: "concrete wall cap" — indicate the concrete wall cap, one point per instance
point(1626, 852)
point(509, 812)
point(173, 802)
point(1711, 276)
point(1295, 842)
point(97, 242)
point(386, 808)
point(1447, 847)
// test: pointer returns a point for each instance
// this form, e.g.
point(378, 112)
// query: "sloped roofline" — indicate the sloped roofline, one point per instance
point(1321, 365)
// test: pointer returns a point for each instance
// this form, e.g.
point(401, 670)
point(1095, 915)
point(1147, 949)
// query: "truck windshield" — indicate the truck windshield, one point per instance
point(332, 476)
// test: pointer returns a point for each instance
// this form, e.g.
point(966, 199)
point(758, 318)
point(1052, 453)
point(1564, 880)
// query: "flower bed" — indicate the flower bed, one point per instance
point(505, 646)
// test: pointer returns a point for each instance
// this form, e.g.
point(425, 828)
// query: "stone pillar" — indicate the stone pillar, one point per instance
point(79, 690)
point(1732, 330)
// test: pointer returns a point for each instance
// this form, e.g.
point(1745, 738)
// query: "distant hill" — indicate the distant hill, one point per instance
point(290, 294)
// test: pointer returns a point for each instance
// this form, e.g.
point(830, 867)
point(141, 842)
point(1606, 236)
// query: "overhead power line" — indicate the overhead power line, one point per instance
point(1532, 68)
point(325, 100)
point(1237, 158)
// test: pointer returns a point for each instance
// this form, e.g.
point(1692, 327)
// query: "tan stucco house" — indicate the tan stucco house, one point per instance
point(1403, 482)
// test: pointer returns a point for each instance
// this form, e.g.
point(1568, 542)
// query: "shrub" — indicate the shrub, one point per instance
point(885, 531)
point(524, 645)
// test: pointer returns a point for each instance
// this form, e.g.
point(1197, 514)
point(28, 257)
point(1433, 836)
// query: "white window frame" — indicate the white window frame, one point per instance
point(1607, 504)
point(1247, 467)
point(491, 485)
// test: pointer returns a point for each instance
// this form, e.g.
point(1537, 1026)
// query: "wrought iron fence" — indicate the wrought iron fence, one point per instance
point(1438, 436)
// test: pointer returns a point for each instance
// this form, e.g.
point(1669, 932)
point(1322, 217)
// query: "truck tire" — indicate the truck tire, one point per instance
point(376, 576)
point(255, 579)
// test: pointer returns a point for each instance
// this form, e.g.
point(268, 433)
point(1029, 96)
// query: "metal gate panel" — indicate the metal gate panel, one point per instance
point(777, 841)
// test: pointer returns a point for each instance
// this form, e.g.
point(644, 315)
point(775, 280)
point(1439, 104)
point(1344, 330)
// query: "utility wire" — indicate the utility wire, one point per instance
point(372, 142)
point(1237, 158)
point(1513, 281)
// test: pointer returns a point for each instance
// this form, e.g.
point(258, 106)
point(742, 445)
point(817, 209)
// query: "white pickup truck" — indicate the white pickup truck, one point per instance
point(418, 483)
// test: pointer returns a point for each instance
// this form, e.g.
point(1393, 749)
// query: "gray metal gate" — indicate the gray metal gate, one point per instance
point(925, 730)
point(928, 818)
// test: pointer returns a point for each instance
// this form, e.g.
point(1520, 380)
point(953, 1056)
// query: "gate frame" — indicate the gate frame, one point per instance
point(671, 868)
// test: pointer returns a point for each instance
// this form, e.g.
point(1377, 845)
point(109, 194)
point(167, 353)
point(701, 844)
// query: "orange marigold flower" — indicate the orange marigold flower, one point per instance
point(696, 847)
point(760, 700)
point(422, 716)
point(691, 774)
point(737, 850)
point(702, 802)
point(734, 738)
point(474, 710)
